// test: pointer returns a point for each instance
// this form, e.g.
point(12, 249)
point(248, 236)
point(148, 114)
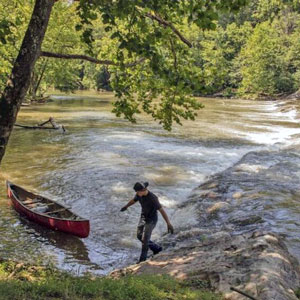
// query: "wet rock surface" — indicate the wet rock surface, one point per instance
point(241, 236)
point(257, 263)
point(261, 191)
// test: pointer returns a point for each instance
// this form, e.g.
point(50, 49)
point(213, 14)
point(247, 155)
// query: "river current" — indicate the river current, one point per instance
point(94, 165)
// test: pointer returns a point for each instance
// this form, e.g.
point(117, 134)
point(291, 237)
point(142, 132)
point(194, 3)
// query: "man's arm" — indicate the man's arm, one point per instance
point(131, 202)
point(165, 216)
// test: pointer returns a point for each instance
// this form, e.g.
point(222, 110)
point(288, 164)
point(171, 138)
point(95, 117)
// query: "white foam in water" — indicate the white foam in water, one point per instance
point(111, 159)
point(167, 175)
point(292, 115)
point(133, 136)
point(160, 179)
point(162, 152)
point(196, 176)
point(279, 135)
point(269, 134)
point(167, 202)
point(121, 188)
point(178, 150)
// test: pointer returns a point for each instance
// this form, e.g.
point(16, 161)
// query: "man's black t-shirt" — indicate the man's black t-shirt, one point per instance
point(150, 205)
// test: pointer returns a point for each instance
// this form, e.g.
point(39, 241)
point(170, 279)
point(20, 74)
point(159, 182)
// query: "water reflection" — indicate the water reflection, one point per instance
point(73, 246)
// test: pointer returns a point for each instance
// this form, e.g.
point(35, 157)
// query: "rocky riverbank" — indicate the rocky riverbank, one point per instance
point(246, 215)
point(257, 263)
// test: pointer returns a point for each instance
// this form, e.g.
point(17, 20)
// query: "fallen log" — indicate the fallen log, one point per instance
point(39, 100)
point(55, 126)
point(34, 127)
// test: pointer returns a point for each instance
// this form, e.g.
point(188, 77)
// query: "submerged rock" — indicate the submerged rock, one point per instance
point(248, 220)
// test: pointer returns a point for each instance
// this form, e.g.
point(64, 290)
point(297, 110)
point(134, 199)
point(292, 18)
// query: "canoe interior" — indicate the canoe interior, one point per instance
point(43, 206)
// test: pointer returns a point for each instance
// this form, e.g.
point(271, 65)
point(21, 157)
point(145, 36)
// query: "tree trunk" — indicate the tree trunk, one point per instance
point(35, 90)
point(19, 79)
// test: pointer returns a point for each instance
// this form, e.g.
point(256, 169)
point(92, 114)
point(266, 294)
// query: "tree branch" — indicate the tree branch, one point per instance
point(168, 24)
point(89, 58)
point(77, 56)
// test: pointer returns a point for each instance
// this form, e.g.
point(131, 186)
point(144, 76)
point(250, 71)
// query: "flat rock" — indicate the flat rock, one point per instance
point(257, 263)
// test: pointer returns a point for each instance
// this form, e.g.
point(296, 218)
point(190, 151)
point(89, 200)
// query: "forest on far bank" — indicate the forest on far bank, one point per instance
point(252, 54)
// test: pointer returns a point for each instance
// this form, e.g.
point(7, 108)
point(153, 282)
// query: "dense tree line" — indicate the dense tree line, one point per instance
point(255, 53)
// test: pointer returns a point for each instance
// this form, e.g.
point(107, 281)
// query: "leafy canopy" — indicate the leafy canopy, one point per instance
point(150, 35)
point(151, 31)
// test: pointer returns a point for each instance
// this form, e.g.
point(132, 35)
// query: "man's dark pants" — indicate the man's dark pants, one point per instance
point(144, 231)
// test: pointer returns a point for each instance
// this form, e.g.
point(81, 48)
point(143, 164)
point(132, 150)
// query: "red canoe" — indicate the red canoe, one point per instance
point(47, 212)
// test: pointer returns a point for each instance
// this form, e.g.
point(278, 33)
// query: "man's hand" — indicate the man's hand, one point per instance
point(170, 228)
point(123, 208)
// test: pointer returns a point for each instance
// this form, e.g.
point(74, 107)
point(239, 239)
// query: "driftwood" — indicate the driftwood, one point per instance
point(55, 126)
point(40, 100)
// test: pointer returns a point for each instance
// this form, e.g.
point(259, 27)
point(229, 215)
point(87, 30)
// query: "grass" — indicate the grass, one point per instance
point(19, 281)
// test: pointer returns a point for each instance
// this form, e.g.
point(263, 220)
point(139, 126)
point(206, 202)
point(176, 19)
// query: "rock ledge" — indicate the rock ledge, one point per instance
point(257, 263)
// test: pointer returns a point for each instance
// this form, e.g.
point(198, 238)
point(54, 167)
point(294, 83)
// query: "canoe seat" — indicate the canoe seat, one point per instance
point(56, 211)
point(29, 203)
point(32, 200)
point(36, 202)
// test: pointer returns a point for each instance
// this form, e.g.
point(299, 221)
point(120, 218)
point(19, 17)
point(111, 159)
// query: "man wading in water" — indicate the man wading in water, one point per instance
point(150, 206)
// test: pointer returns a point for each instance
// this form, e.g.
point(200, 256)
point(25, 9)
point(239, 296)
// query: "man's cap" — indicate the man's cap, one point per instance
point(139, 186)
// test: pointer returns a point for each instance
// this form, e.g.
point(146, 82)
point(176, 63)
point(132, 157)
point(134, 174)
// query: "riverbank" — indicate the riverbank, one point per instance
point(232, 94)
point(21, 281)
point(240, 236)
point(94, 93)
point(258, 264)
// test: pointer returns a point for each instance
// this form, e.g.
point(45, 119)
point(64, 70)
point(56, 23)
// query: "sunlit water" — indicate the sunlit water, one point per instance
point(93, 166)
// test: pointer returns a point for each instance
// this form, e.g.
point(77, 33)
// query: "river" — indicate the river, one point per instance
point(94, 165)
